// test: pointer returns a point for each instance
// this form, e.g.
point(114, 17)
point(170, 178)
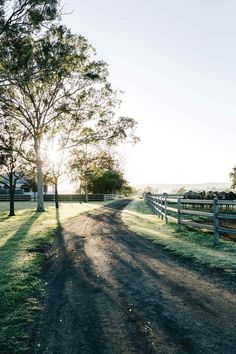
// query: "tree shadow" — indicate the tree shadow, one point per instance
point(58, 218)
point(12, 243)
point(155, 292)
point(60, 241)
point(135, 288)
point(93, 297)
point(69, 299)
point(13, 283)
point(118, 204)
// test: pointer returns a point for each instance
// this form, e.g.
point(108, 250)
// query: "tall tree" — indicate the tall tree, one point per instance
point(12, 166)
point(53, 83)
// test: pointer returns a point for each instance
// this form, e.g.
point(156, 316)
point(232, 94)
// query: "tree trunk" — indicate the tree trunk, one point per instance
point(40, 203)
point(80, 192)
point(56, 195)
point(86, 191)
point(12, 195)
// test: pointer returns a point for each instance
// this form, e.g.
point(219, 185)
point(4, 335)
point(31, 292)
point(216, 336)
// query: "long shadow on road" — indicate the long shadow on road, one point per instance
point(195, 324)
point(112, 292)
point(65, 324)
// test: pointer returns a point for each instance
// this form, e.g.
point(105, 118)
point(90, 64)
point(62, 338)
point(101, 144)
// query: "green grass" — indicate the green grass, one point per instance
point(23, 240)
point(186, 243)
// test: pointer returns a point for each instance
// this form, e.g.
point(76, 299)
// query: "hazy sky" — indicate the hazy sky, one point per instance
point(176, 62)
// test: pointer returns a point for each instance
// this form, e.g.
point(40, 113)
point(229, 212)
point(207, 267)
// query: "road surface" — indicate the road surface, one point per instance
point(110, 291)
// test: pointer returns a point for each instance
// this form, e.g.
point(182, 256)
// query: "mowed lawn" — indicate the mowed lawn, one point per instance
point(23, 240)
point(187, 243)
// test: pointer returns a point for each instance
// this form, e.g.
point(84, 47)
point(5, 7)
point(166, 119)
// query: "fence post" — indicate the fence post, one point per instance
point(216, 220)
point(179, 214)
point(146, 199)
point(157, 206)
point(153, 204)
point(166, 219)
point(161, 204)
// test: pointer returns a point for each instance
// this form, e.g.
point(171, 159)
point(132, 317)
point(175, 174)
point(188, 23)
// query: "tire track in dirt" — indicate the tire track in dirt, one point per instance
point(110, 291)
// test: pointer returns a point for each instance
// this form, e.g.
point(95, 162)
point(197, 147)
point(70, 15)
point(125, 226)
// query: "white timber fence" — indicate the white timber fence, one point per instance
point(175, 207)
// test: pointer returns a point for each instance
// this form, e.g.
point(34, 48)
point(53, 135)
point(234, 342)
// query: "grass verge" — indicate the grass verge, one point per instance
point(187, 243)
point(23, 240)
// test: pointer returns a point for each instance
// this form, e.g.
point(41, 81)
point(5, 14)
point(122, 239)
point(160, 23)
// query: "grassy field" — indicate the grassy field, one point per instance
point(23, 240)
point(187, 243)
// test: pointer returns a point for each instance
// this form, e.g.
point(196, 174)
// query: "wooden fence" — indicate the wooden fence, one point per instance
point(17, 198)
point(61, 197)
point(78, 197)
point(174, 207)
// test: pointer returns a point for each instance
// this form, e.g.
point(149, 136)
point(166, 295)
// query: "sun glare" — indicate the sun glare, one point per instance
point(54, 153)
point(54, 156)
point(58, 158)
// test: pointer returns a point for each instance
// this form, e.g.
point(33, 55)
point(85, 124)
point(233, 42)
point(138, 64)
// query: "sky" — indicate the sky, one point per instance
point(176, 63)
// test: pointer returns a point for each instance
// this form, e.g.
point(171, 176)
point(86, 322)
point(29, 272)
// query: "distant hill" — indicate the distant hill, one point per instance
point(173, 188)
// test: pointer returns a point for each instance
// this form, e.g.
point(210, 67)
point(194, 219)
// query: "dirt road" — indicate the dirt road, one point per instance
point(110, 291)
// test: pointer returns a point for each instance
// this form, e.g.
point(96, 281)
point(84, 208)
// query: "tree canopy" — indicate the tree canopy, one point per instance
point(51, 83)
point(55, 83)
point(99, 171)
point(109, 182)
point(23, 16)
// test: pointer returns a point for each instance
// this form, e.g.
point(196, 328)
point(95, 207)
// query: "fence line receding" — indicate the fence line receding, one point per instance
point(176, 208)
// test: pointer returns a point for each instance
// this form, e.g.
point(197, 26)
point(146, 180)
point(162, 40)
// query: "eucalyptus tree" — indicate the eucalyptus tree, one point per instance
point(54, 83)
point(22, 16)
point(12, 166)
point(18, 19)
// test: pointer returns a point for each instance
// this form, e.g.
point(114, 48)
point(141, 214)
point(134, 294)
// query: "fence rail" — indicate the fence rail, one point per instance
point(79, 197)
point(61, 197)
point(160, 204)
point(17, 198)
